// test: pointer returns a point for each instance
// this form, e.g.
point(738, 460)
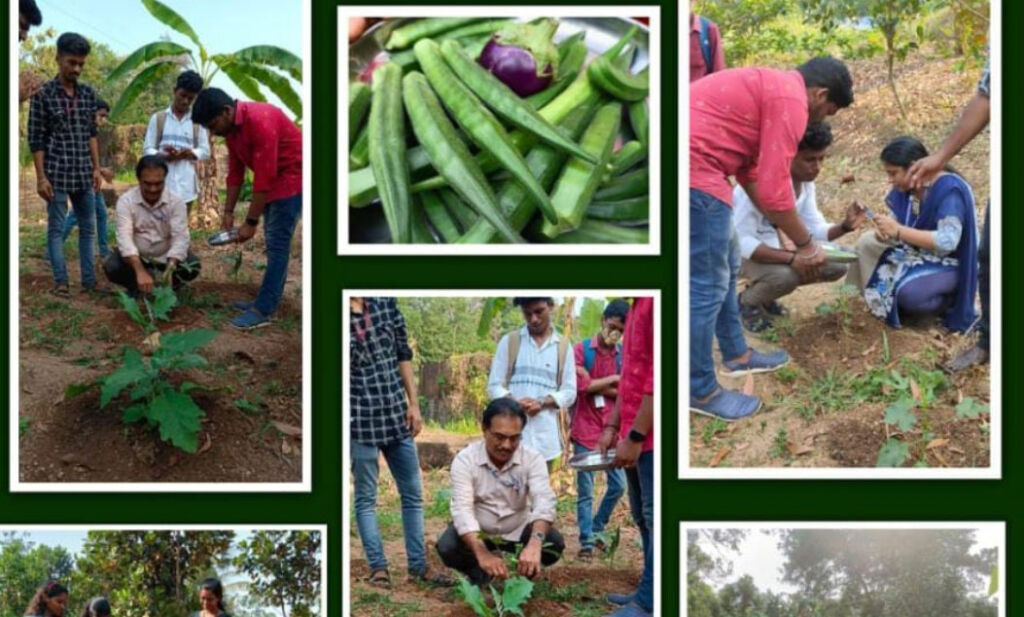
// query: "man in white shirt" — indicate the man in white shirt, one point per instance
point(769, 263)
point(501, 500)
point(172, 136)
point(152, 234)
point(535, 366)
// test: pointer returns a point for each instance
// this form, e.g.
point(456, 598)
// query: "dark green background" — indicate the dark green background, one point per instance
point(694, 500)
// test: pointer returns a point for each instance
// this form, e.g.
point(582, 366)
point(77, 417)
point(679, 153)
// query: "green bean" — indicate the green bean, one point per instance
point(359, 154)
point(463, 214)
point(387, 149)
point(631, 153)
point(633, 209)
point(639, 120)
point(421, 28)
point(421, 233)
point(358, 105)
point(439, 217)
point(601, 232)
point(568, 68)
point(633, 184)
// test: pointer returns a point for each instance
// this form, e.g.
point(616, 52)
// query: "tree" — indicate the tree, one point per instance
point(885, 15)
point(25, 568)
point(285, 569)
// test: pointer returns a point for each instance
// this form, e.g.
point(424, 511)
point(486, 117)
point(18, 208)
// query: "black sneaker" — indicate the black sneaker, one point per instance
point(755, 318)
point(775, 308)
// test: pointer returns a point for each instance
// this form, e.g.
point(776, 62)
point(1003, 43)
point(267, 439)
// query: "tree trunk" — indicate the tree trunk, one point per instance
point(891, 60)
point(206, 213)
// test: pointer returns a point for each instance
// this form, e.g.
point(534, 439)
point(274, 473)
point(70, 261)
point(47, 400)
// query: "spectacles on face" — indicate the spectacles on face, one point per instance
point(500, 439)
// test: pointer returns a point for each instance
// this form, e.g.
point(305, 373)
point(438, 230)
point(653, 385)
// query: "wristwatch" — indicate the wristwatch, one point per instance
point(637, 436)
point(539, 536)
point(252, 222)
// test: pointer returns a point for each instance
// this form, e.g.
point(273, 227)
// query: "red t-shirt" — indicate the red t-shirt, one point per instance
point(269, 144)
point(698, 68)
point(637, 366)
point(747, 123)
point(588, 420)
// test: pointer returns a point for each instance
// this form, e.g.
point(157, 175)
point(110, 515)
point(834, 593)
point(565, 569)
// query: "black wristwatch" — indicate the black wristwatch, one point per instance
point(637, 436)
point(539, 536)
point(252, 222)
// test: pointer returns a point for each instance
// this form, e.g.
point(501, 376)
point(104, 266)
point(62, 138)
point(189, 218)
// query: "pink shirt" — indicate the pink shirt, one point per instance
point(698, 68)
point(747, 123)
point(637, 366)
point(588, 420)
point(269, 144)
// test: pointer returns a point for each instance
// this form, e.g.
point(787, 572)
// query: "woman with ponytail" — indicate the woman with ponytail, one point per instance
point(50, 600)
point(211, 599)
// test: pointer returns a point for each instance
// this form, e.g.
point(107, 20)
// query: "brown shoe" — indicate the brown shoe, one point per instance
point(380, 579)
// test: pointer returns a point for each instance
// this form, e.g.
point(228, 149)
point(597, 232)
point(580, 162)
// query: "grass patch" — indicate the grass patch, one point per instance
point(711, 429)
point(566, 593)
point(380, 605)
point(466, 425)
point(24, 425)
point(439, 506)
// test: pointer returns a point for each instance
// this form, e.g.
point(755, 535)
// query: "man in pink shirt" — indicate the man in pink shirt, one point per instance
point(260, 137)
point(630, 430)
point(706, 54)
point(598, 365)
point(746, 123)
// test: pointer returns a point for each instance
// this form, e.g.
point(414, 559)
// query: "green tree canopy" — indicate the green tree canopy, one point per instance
point(285, 569)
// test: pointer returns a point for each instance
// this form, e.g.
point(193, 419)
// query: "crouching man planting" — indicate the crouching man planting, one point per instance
point(152, 234)
point(501, 500)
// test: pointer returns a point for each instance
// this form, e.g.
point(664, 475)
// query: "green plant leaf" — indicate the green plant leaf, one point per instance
point(146, 53)
point(132, 371)
point(134, 413)
point(472, 596)
point(277, 84)
point(237, 73)
point(517, 591)
point(179, 343)
point(142, 82)
point(184, 362)
point(993, 583)
point(824, 309)
point(273, 56)
point(177, 417)
point(893, 454)
point(131, 306)
point(970, 408)
point(78, 389)
point(492, 306)
point(167, 16)
point(164, 299)
point(590, 317)
point(900, 414)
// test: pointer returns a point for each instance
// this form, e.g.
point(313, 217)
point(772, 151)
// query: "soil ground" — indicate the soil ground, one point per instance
point(250, 391)
point(818, 412)
point(569, 588)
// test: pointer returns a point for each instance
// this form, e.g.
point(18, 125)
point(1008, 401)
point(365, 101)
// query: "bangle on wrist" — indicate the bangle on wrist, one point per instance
point(801, 245)
point(252, 222)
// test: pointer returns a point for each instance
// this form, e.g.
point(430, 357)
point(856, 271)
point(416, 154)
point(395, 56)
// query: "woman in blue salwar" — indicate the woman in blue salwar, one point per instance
point(923, 258)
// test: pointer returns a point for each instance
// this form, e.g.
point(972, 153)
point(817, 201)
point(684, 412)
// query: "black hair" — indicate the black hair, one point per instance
point(97, 607)
point(831, 73)
point(37, 605)
point(817, 137)
point(72, 44)
point(524, 302)
point(189, 81)
point(616, 308)
point(101, 104)
point(31, 12)
point(904, 150)
point(209, 104)
point(503, 407)
point(214, 586)
point(150, 161)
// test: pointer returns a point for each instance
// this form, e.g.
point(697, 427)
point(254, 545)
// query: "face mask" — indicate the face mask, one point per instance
point(610, 336)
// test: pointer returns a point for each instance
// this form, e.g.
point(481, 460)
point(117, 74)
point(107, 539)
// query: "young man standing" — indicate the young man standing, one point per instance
point(534, 366)
point(769, 258)
point(260, 137)
point(99, 206)
point(706, 55)
point(385, 418)
point(598, 366)
point(746, 123)
point(173, 136)
point(62, 137)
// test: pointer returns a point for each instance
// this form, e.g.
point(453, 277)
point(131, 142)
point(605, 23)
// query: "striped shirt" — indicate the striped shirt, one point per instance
point(61, 126)
point(536, 376)
point(377, 400)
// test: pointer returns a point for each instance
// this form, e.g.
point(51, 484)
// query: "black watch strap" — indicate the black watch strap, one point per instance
point(252, 222)
point(637, 436)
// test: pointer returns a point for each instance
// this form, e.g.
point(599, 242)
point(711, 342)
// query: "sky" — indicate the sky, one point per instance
point(760, 557)
point(222, 26)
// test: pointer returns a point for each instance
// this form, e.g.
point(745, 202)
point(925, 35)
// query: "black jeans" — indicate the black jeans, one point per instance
point(120, 272)
point(457, 555)
point(983, 281)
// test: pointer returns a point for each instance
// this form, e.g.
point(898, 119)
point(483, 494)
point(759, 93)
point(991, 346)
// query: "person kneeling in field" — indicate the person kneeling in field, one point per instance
point(769, 257)
point(501, 499)
point(152, 234)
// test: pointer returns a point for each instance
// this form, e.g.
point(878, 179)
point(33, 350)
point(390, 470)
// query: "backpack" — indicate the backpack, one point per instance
point(161, 120)
point(589, 354)
point(705, 42)
point(515, 340)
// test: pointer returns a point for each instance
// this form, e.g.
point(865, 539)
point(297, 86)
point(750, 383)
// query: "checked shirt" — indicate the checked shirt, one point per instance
point(61, 126)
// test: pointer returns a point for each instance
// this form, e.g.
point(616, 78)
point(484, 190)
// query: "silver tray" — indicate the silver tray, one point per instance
point(224, 237)
point(592, 461)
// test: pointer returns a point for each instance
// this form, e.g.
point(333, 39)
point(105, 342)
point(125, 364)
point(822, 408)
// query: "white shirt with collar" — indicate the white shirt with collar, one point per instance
point(152, 231)
point(536, 377)
point(181, 175)
point(754, 229)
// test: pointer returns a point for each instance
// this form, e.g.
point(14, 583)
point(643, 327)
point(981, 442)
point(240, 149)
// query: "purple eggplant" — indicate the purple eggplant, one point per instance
point(523, 56)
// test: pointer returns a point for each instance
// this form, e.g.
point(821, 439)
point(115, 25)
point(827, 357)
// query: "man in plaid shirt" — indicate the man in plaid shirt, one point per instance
point(62, 137)
point(384, 412)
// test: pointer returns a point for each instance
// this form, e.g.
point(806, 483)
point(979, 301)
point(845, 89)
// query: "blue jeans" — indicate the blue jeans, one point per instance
point(100, 209)
point(57, 212)
point(279, 219)
point(589, 523)
point(714, 305)
point(405, 467)
point(641, 502)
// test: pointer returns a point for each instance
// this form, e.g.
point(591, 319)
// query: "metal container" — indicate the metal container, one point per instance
point(224, 237)
point(592, 461)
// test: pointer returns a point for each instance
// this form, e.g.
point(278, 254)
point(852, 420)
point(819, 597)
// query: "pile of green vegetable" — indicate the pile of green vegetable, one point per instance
point(512, 165)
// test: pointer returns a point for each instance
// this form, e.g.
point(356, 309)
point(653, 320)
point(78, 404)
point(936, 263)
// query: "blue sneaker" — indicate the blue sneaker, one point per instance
point(250, 320)
point(242, 305)
point(759, 362)
point(726, 405)
point(620, 599)
point(630, 610)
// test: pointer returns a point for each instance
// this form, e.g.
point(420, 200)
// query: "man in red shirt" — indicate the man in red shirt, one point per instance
point(598, 364)
point(746, 123)
point(630, 430)
point(260, 137)
point(706, 55)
